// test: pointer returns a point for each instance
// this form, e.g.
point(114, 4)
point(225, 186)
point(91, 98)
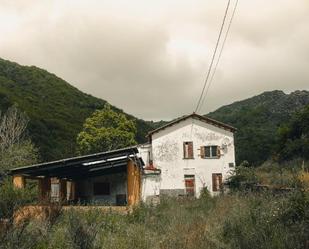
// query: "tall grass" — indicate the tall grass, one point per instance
point(237, 220)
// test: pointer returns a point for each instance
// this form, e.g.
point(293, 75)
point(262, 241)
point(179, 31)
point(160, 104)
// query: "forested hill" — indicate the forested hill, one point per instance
point(56, 109)
point(257, 120)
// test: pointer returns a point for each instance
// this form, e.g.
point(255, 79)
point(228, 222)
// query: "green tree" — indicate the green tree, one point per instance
point(106, 130)
point(293, 137)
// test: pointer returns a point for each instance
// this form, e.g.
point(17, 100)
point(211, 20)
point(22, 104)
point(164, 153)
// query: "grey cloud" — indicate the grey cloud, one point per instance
point(120, 52)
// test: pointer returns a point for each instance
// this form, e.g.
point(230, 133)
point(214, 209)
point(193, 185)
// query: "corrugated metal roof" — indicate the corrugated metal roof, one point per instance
point(83, 166)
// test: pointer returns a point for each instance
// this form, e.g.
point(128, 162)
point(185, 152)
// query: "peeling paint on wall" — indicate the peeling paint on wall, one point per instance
point(206, 136)
point(167, 151)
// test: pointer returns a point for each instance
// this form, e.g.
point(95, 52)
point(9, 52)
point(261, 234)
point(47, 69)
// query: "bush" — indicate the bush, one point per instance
point(12, 198)
point(244, 178)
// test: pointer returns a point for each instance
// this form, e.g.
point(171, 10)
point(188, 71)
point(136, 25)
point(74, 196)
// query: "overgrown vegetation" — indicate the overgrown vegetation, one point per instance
point(293, 139)
point(239, 220)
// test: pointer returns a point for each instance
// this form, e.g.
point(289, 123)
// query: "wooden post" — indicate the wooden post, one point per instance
point(19, 181)
point(44, 189)
point(73, 191)
point(63, 190)
point(133, 183)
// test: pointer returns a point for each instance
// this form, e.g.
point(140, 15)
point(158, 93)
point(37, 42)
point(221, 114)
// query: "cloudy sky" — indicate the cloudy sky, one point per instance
point(150, 57)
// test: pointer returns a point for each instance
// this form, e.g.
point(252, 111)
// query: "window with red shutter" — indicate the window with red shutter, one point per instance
point(190, 185)
point(188, 150)
point(216, 182)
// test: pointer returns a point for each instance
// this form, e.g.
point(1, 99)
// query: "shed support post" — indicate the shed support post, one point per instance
point(19, 181)
point(134, 183)
point(73, 191)
point(44, 189)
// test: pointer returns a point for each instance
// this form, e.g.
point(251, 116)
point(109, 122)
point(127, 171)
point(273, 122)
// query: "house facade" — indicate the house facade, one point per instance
point(187, 156)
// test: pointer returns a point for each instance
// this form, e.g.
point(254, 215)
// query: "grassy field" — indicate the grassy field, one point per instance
point(243, 218)
point(235, 220)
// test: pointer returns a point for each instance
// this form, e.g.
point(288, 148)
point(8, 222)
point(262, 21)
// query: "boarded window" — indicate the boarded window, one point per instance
point(188, 150)
point(190, 185)
point(101, 188)
point(54, 191)
point(216, 182)
point(210, 151)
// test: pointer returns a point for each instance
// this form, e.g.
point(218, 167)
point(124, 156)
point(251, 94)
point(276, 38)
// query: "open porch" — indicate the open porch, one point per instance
point(108, 179)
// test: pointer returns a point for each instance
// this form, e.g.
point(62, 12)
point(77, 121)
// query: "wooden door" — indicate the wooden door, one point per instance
point(190, 185)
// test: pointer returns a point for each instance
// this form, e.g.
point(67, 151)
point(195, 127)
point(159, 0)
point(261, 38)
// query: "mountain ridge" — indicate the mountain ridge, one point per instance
point(258, 119)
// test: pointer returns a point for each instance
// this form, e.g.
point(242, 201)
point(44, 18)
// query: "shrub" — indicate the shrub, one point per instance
point(244, 178)
point(12, 198)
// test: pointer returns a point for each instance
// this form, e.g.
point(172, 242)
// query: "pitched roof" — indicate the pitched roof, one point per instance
point(198, 117)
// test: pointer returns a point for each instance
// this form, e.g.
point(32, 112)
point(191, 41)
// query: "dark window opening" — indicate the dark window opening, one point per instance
point(101, 188)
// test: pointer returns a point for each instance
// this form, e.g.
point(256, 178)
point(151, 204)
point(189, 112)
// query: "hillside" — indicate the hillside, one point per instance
point(257, 120)
point(56, 109)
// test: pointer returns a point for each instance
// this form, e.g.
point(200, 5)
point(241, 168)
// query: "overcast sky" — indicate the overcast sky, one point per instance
point(150, 58)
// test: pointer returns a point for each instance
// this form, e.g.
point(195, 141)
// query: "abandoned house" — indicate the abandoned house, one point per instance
point(181, 158)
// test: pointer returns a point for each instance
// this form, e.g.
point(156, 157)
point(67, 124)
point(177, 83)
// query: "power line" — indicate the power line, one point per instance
point(222, 47)
point(214, 55)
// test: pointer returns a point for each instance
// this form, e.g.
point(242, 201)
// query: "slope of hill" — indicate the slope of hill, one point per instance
point(257, 120)
point(56, 109)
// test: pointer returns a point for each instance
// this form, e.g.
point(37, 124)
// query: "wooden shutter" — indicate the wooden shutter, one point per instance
point(216, 182)
point(220, 180)
point(190, 185)
point(190, 149)
point(218, 151)
point(185, 150)
point(202, 153)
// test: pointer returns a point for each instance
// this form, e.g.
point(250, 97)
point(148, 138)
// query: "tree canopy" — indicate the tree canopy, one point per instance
point(294, 137)
point(106, 130)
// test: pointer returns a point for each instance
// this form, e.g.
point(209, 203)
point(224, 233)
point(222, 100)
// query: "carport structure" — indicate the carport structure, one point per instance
point(107, 178)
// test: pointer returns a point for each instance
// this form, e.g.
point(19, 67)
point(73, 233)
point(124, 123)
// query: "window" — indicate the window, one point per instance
point(210, 151)
point(231, 165)
point(188, 150)
point(190, 185)
point(216, 182)
point(101, 188)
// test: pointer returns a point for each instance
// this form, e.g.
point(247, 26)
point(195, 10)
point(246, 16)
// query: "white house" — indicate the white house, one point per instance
point(186, 156)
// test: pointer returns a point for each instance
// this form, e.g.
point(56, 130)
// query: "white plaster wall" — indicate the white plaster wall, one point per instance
point(150, 186)
point(144, 152)
point(167, 152)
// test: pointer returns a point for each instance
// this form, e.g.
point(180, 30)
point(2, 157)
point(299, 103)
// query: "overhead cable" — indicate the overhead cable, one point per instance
point(213, 57)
